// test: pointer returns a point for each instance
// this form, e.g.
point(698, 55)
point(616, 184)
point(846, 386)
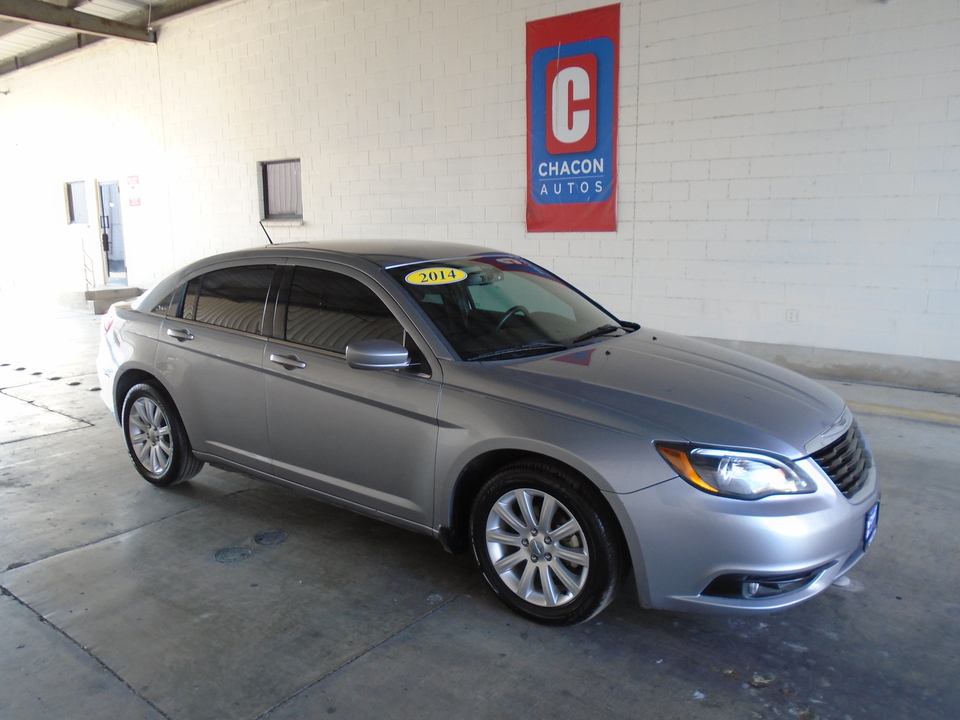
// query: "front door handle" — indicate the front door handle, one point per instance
point(180, 335)
point(289, 363)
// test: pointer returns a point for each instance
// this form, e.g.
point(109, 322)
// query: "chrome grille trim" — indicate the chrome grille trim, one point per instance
point(847, 461)
point(832, 433)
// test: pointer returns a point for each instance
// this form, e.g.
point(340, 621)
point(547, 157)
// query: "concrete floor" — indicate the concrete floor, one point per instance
point(115, 606)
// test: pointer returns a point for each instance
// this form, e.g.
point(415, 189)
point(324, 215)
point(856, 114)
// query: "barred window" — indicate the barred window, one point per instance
point(281, 195)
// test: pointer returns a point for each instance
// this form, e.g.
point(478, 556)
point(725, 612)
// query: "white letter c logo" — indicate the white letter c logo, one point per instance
point(571, 83)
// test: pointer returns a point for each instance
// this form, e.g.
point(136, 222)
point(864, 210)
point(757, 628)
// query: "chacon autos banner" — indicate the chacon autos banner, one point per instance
point(573, 66)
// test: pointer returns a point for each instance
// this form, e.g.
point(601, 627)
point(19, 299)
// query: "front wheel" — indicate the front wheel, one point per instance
point(546, 544)
point(155, 438)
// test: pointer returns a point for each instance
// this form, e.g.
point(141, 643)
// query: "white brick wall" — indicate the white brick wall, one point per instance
point(801, 157)
point(778, 159)
point(97, 119)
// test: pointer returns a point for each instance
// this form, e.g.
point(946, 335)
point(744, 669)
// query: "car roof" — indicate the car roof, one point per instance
point(358, 253)
point(383, 253)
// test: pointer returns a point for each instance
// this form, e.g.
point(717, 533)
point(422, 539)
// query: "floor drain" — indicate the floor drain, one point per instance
point(36, 373)
point(55, 377)
point(94, 389)
point(231, 555)
point(269, 538)
point(20, 369)
point(73, 384)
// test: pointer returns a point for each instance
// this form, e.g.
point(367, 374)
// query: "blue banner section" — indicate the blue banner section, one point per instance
point(563, 73)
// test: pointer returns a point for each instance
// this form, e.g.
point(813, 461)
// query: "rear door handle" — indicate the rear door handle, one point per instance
point(289, 363)
point(180, 335)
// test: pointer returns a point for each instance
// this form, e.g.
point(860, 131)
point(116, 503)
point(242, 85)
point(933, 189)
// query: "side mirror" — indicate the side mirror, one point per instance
point(377, 355)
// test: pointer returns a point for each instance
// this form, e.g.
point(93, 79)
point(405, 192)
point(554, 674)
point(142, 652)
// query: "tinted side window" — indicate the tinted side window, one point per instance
point(328, 310)
point(232, 298)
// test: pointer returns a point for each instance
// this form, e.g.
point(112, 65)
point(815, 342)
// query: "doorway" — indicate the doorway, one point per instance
point(111, 233)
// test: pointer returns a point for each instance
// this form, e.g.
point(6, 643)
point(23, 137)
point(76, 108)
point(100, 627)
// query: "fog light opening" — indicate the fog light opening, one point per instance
point(755, 587)
point(772, 588)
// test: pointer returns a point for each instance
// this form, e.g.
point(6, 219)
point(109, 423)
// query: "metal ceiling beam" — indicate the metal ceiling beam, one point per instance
point(157, 13)
point(35, 11)
point(178, 7)
point(9, 65)
point(9, 26)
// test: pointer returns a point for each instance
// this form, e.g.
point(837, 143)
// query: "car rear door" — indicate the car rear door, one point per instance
point(366, 437)
point(210, 356)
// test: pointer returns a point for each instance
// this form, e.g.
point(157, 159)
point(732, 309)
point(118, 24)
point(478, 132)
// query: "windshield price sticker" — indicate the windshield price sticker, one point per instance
point(435, 276)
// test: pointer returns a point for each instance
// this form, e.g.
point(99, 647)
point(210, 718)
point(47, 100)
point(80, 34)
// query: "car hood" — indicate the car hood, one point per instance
point(659, 384)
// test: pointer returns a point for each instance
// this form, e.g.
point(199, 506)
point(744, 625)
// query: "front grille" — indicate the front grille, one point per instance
point(847, 461)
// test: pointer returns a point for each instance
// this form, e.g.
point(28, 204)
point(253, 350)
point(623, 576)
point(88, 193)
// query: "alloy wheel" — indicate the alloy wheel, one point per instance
point(537, 547)
point(150, 435)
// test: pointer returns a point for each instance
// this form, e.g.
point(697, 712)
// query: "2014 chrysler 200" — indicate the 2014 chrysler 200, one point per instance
point(473, 396)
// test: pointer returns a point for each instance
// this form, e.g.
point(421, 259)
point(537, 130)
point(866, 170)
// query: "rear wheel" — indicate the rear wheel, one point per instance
point(155, 438)
point(546, 544)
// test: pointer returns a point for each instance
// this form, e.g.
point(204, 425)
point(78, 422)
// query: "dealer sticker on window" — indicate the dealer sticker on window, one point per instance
point(870, 525)
point(435, 276)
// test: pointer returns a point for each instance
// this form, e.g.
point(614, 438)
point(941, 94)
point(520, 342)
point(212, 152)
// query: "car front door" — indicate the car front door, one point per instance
point(366, 437)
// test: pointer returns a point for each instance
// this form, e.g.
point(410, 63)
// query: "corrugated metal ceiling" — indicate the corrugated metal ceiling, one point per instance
point(32, 31)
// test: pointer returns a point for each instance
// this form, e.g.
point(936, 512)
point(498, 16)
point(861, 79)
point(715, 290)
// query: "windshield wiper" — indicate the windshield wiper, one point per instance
point(531, 349)
point(596, 332)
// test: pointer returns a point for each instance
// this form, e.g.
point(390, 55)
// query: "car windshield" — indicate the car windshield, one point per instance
point(502, 307)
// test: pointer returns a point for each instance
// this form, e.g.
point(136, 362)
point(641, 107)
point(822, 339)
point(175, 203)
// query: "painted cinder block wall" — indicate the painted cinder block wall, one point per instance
point(789, 172)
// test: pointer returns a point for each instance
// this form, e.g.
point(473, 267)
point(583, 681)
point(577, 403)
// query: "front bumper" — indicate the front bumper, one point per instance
point(686, 544)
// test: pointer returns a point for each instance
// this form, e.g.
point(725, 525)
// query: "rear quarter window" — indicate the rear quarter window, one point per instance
point(169, 304)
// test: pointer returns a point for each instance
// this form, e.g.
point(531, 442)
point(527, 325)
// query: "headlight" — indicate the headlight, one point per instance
point(734, 473)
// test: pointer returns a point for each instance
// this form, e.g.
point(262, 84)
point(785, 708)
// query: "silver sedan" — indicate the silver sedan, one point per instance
point(476, 397)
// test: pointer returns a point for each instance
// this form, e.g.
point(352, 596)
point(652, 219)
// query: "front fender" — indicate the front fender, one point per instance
point(473, 424)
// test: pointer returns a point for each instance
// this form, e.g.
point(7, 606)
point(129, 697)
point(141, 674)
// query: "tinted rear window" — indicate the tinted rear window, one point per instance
point(233, 298)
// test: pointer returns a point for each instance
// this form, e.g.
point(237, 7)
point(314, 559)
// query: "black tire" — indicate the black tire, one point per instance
point(156, 440)
point(560, 580)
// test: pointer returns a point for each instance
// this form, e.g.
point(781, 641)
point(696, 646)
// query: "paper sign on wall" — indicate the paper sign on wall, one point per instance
point(133, 190)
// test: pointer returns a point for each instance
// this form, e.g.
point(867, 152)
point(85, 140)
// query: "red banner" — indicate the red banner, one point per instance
point(573, 69)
